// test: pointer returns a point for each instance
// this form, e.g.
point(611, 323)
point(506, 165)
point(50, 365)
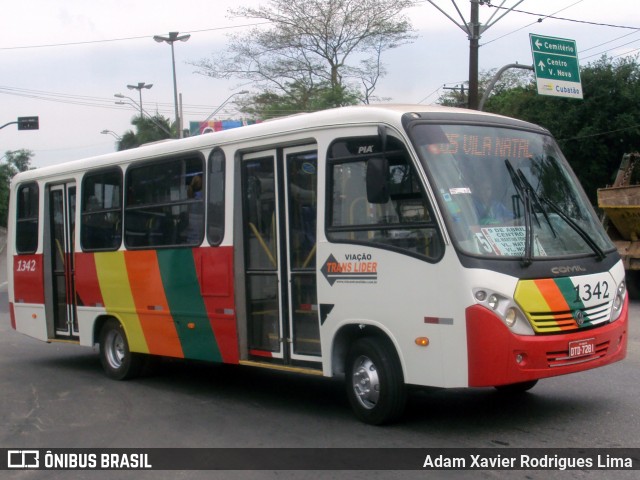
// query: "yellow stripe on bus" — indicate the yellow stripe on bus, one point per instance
point(117, 296)
point(530, 298)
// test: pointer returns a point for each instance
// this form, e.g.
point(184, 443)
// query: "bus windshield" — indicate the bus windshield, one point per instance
point(508, 192)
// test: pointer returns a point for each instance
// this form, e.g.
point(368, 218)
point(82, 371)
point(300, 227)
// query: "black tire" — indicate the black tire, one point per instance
point(516, 388)
point(117, 360)
point(374, 381)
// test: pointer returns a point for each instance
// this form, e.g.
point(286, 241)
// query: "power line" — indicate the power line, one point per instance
point(110, 40)
point(599, 134)
point(430, 95)
point(610, 41)
point(488, 3)
point(532, 23)
point(626, 53)
point(605, 51)
point(553, 16)
point(100, 102)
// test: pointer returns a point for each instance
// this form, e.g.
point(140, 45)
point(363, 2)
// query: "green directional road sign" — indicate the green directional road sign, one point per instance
point(556, 65)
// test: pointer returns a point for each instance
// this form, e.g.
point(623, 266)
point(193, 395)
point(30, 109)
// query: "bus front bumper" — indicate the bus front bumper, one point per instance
point(498, 357)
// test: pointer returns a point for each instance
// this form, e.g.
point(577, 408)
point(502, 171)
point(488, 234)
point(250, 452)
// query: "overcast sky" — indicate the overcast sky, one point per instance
point(63, 60)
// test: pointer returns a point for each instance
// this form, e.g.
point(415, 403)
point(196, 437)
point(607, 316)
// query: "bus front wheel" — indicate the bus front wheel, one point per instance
point(374, 381)
point(116, 358)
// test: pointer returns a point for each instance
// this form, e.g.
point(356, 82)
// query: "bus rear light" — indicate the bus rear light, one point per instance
point(422, 341)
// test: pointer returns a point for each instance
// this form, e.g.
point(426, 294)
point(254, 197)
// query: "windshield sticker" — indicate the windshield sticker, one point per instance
point(459, 190)
point(356, 268)
point(509, 241)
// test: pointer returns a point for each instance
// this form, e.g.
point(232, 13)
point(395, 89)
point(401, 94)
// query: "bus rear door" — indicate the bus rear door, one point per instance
point(59, 281)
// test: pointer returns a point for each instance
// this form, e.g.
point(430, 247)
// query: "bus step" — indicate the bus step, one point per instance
point(284, 368)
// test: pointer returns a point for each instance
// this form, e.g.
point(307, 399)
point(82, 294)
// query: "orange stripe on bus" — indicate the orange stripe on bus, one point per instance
point(552, 294)
point(151, 303)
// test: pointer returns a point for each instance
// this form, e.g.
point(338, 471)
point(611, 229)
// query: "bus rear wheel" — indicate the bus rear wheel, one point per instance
point(374, 381)
point(117, 360)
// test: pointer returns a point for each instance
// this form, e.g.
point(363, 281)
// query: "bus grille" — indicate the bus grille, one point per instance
point(566, 321)
point(561, 358)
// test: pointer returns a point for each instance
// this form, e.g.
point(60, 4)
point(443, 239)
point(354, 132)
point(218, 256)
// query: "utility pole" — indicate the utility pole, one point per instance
point(474, 45)
point(461, 102)
point(474, 30)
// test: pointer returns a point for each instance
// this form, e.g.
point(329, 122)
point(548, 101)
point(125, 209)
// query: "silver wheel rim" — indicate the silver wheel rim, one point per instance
point(115, 351)
point(365, 382)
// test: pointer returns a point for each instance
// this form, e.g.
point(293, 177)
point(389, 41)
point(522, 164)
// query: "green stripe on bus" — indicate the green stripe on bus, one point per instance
point(568, 290)
point(182, 290)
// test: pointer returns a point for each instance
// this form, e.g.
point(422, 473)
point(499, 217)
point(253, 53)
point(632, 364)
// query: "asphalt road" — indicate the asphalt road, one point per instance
point(55, 396)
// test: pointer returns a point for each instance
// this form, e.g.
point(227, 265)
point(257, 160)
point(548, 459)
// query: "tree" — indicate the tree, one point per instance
point(594, 132)
point(17, 161)
point(509, 80)
point(148, 129)
point(314, 54)
point(299, 99)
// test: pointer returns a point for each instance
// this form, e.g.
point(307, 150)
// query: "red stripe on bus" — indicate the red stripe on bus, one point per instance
point(28, 279)
point(214, 268)
point(87, 284)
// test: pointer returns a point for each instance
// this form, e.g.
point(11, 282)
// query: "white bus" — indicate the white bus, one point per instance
point(391, 245)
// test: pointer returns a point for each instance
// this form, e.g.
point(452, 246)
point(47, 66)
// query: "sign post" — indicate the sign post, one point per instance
point(555, 61)
point(25, 123)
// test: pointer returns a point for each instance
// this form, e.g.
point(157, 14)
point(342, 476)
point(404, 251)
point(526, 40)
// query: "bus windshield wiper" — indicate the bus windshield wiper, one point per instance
point(539, 199)
point(536, 199)
point(577, 228)
point(527, 257)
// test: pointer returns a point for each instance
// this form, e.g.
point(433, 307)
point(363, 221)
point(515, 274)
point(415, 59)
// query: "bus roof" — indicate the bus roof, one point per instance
point(343, 116)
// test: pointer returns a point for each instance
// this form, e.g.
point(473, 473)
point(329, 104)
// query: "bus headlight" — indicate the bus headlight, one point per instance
point(618, 301)
point(506, 309)
point(493, 301)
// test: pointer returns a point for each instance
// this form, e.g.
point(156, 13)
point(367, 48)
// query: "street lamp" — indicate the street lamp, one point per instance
point(174, 37)
point(112, 133)
point(132, 103)
point(224, 103)
point(139, 87)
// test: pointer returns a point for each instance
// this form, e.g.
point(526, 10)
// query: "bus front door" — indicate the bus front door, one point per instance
point(61, 286)
point(279, 191)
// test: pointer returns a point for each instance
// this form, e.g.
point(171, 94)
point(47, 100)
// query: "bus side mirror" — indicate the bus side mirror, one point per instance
point(377, 180)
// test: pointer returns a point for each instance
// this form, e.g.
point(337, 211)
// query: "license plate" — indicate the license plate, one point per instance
point(581, 348)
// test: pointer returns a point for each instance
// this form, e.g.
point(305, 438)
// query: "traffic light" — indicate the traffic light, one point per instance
point(28, 123)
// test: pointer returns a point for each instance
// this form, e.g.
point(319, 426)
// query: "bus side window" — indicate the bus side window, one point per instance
point(164, 205)
point(27, 218)
point(402, 221)
point(215, 220)
point(101, 214)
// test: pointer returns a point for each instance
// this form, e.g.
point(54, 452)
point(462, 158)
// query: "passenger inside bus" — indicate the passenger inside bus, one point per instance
point(196, 213)
point(489, 209)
